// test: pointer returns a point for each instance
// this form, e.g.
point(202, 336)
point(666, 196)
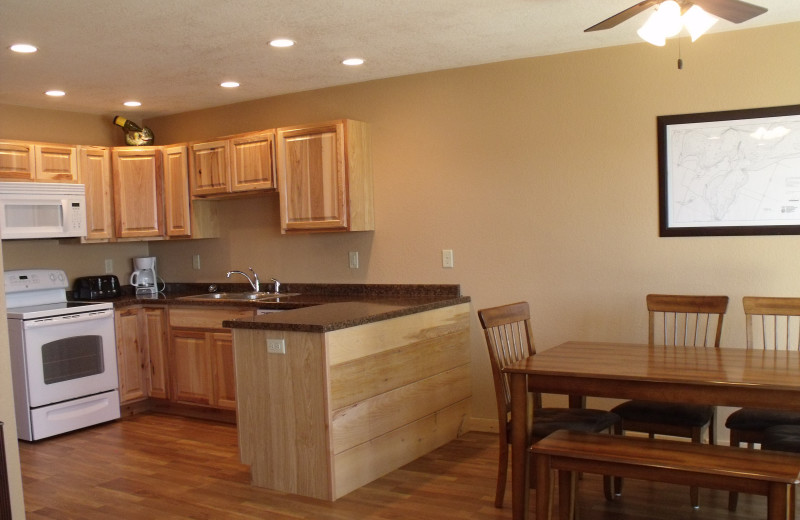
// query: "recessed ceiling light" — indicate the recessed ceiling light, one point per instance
point(352, 62)
point(23, 48)
point(281, 42)
point(132, 104)
point(55, 93)
point(229, 84)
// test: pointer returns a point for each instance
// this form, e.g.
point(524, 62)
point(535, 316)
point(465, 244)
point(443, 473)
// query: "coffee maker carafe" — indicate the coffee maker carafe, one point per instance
point(144, 277)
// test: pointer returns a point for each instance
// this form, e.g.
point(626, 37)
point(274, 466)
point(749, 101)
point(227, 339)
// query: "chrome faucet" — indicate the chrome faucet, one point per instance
point(277, 285)
point(254, 283)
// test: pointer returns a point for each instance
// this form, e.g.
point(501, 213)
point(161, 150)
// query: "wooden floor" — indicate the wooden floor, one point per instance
point(163, 467)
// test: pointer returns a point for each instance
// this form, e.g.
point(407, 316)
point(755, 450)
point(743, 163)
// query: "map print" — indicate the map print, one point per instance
point(734, 173)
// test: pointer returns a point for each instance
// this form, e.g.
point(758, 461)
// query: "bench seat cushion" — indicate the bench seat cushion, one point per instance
point(782, 438)
point(548, 420)
point(665, 413)
point(758, 419)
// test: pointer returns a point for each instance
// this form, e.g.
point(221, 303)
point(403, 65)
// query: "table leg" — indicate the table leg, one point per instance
point(544, 487)
point(520, 486)
point(778, 501)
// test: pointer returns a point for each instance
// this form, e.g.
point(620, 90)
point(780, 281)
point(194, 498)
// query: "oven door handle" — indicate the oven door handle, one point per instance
point(68, 318)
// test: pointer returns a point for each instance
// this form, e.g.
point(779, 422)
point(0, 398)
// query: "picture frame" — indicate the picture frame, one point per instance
point(730, 173)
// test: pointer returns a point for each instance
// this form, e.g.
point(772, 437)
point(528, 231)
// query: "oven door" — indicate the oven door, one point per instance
point(70, 356)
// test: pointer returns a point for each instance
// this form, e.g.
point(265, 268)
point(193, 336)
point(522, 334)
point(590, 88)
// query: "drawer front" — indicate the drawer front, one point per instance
point(202, 318)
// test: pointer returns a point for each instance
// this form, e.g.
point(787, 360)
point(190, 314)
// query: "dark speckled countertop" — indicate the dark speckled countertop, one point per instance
point(317, 307)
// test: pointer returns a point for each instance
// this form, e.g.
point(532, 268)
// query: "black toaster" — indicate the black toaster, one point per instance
point(95, 287)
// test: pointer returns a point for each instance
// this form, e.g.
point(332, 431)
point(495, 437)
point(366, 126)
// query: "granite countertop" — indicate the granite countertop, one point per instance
point(317, 307)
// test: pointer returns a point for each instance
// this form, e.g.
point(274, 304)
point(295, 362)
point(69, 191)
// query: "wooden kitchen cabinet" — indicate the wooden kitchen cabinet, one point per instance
point(141, 334)
point(56, 163)
point(155, 329)
point(17, 161)
point(26, 161)
point(209, 174)
point(131, 356)
point(202, 356)
point(252, 164)
point(232, 165)
point(325, 177)
point(177, 213)
point(138, 198)
point(185, 218)
point(94, 172)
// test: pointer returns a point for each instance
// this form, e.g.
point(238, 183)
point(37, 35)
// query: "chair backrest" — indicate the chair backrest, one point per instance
point(509, 338)
point(683, 320)
point(772, 323)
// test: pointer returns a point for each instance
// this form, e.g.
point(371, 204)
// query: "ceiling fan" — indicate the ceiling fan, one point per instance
point(735, 11)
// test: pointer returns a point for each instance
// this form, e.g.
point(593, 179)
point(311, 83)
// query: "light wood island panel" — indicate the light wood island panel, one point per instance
point(342, 408)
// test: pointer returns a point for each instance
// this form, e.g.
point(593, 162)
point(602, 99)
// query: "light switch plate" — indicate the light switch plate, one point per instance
point(353, 259)
point(195, 261)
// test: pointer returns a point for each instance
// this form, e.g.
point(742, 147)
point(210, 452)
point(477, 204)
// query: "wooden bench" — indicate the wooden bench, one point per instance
point(773, 474)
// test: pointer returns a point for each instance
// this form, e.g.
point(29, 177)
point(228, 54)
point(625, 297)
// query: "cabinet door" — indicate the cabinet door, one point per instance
point(224, 370)
point(155, 325)
point(17, 161)
point(252, 162)
point(137, 192)
point(209, 172)
point(94, 171)
point(177, 213)
point(56, 163)
point(130, 355)
point(311, 176)
point(191, 367)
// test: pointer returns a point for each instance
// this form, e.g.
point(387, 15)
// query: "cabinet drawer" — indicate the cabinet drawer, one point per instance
point(201, 318)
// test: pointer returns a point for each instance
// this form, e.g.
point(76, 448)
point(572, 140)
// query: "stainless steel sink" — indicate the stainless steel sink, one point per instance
point(238, 296)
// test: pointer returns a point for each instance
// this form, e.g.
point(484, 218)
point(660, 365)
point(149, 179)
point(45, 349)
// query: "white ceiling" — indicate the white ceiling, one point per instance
point(172, 54)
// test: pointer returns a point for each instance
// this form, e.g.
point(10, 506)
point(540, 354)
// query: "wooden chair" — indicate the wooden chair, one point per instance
point(509, 338)
point(677, 321)
point(770, 324)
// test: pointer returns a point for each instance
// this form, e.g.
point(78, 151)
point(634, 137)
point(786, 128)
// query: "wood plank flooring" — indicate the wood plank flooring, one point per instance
point(154, 466)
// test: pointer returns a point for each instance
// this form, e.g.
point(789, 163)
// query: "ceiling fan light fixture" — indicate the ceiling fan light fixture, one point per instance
point(651, 31)
point(697, 21)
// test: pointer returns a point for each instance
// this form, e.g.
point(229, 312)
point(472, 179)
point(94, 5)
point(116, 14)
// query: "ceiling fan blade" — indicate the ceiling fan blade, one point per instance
point(735, 11)
point(620, 17)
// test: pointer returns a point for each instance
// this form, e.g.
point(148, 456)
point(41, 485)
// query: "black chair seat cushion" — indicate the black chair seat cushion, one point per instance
point(759, 419)
point(548, 420)
point(782, 438)
point(675, 414)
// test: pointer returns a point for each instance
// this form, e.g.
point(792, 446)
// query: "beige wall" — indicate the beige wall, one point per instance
point(540, 174)
point(7, 415)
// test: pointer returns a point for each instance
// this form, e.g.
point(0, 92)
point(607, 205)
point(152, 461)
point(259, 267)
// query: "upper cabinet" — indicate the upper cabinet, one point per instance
point(176, 191)
point(94, 169)
point(233, 165)
point(24, 161)
point(138, 206)
point(325, 177)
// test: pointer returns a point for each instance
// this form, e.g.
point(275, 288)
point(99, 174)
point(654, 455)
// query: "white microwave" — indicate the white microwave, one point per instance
point(42, 210)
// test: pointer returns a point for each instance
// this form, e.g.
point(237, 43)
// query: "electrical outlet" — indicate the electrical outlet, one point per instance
point(195, 262)
point(353, 259)
point(276, 346)
point(109, 266)
point(447, 258)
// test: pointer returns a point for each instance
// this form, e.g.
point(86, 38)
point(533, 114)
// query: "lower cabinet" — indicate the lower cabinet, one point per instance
point(202, 356)
point(141, 353)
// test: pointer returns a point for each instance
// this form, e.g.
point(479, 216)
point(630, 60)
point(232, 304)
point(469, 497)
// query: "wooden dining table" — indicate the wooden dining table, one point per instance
point(699, 375)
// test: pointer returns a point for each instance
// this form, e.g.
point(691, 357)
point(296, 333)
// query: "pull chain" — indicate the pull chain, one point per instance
point(680, 61)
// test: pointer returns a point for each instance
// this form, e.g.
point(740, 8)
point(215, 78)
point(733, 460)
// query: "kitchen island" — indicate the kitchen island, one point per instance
point(332, 396)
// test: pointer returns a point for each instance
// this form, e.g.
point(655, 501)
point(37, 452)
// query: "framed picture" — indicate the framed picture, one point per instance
point(730, 173)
